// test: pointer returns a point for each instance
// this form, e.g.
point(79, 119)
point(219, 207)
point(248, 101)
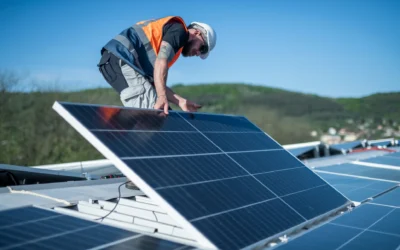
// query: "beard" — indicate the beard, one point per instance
point(186, 48)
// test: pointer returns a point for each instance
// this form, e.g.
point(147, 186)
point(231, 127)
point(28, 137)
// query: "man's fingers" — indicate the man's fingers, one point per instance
point(166, 108)
point(157, 105)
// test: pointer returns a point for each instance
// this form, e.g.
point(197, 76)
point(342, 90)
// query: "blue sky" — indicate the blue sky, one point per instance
point(336, 48)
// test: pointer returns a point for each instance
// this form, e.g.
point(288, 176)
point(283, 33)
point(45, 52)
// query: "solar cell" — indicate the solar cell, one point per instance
point(389, 224)
point(372, 241)
point(229, 142)
point(363, 171)
point(217, 178)
point(128, 144)
point(385, 160)
point(366, 227)
point(275, 159)
point(362, 217)
point(221, 123)
point(35, 228)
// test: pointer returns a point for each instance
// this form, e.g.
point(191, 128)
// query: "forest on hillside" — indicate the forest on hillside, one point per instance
point(32, 133)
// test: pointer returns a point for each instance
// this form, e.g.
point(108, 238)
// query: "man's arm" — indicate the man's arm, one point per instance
point(160, 76)
point(165, 94)
point(183, 103)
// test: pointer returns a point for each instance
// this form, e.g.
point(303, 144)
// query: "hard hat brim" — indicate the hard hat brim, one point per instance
point(204, 56)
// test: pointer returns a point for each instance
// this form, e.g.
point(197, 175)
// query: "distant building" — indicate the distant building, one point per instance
point(330, 139)
point(350, 137)
point(332, 131)
point(342, 131)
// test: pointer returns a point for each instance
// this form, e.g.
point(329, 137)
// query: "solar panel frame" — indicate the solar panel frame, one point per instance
point(203, 241)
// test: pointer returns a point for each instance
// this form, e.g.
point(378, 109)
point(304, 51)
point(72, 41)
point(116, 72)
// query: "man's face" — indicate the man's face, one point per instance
point(195, 47)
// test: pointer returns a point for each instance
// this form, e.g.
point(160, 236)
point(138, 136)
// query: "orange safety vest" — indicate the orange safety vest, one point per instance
point(150, 33)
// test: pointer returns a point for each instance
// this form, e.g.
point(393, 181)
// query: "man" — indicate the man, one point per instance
point(136, 62)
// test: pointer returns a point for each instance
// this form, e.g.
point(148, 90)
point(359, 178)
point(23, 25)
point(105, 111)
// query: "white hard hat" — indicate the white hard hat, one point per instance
point(210, 36)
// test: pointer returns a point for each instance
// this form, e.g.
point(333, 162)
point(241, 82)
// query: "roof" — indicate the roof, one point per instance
point(92, 199)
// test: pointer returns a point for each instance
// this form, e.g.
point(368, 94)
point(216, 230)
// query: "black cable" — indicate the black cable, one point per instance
point(119, 198)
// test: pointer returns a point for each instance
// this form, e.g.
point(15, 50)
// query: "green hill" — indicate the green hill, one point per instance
point(32, 133)
point(377, 106)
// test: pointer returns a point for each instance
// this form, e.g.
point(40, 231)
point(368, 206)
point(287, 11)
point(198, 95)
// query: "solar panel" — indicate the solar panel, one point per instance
point(35, 228)
point(385, 160)
point(339, 159)
point(362, 171)
point(220, 177)
point(381, 144)
point(347, 145)
point(357, 189)
point(367, 227)
point(300, 151)
point(391, 198)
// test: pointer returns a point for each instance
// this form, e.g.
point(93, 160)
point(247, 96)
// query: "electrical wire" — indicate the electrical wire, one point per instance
point(119, 198)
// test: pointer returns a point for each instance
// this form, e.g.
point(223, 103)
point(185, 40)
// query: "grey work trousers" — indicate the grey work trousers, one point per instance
point(140, 93)
point(135, 90)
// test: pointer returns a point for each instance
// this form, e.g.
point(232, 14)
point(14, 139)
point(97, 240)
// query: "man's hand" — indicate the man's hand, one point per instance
point(162, 103)
point(187, 105)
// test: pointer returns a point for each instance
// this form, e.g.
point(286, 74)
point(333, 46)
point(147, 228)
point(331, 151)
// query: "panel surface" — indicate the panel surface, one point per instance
point(397, 154)
point(357, 189)
point(217, 176)
point(366, 227)
point(366, 171)
point(391, 198)
point(275, 159)
point(321, 238)
point(35, 228)
point(385, 160)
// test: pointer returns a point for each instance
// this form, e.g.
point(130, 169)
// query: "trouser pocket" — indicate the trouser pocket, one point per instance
point(106, 68)
point(132, 96)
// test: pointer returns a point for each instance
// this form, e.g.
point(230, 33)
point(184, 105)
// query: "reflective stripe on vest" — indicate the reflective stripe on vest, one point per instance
point(124, 41)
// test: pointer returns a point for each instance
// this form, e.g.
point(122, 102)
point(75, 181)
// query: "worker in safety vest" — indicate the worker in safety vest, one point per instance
point(136, 62)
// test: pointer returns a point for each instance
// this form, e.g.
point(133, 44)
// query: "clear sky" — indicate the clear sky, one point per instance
point(331, 48)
